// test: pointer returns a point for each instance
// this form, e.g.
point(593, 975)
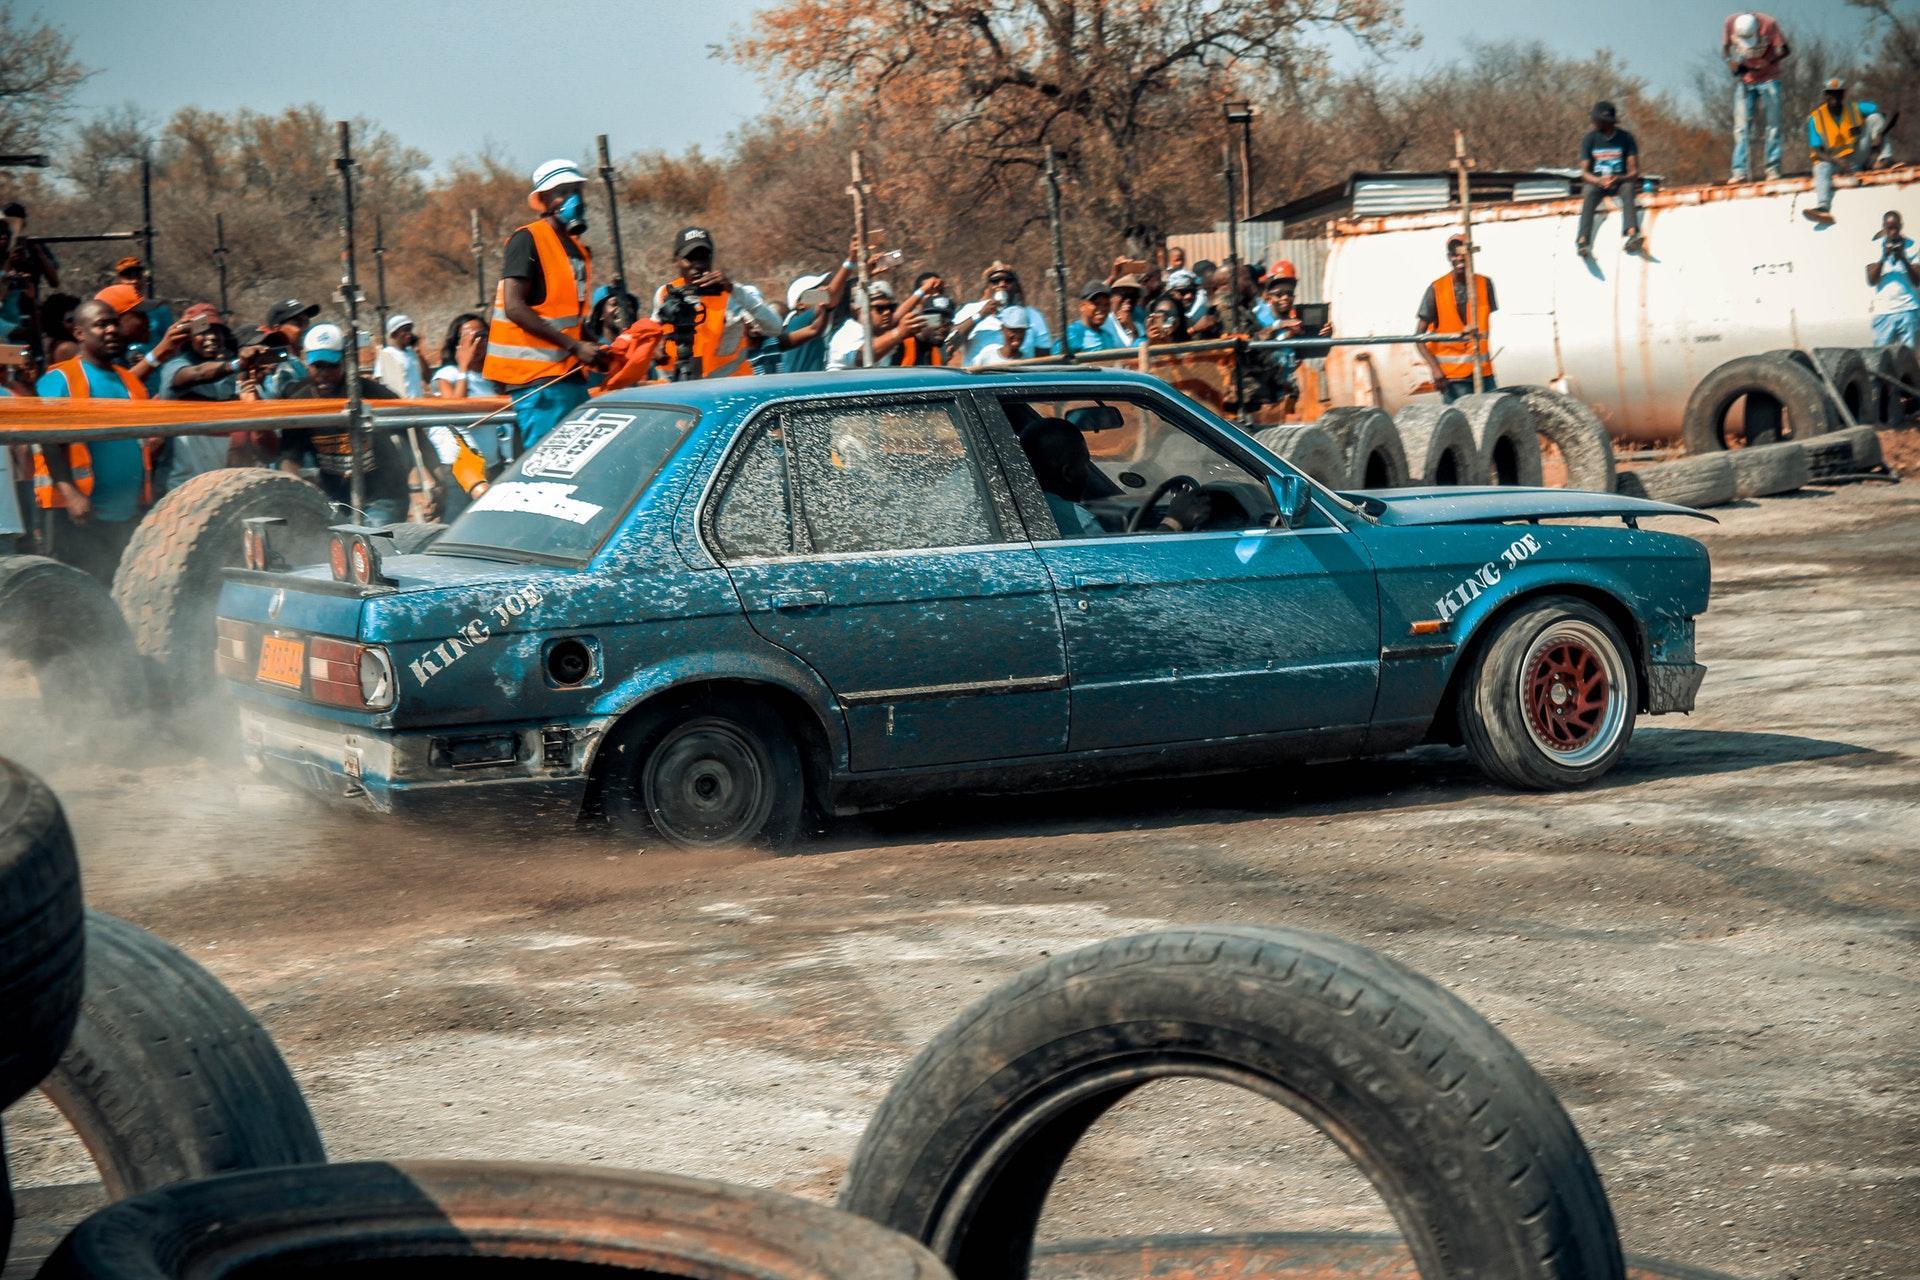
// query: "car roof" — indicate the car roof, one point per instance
point(711, 394)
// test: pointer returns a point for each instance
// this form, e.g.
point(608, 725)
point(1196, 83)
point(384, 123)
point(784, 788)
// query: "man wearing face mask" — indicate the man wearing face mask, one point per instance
point(536, 345)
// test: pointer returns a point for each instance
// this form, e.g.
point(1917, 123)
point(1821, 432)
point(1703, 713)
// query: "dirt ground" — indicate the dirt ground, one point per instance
point(1710, 955)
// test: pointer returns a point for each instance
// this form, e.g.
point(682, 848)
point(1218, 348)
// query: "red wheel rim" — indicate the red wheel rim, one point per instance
point(1567, 695)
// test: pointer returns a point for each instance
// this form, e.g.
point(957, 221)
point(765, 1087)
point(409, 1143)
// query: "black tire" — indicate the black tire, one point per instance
point(1863, 444)
point(1769, 383)
point(1475, 1158)
point(1906, 367)
point(1699, 482)
point(168, 1076)
point(168, 584)
point(65, 625)
point(1847, 371)
point(1572, 427)
point(1371, 451)
point(42, 940)
point(1828, 456)
point(411, 539)
point(1769, 469)
point(705, 773)
point(1313, 452)
point(1518, 710)
point(1439, 445)
point(386, 1221)
point(1505, 441)
point(1884, 404)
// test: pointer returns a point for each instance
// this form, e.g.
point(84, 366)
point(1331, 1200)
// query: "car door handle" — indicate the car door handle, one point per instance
point(793, 601)
point(1101, 584)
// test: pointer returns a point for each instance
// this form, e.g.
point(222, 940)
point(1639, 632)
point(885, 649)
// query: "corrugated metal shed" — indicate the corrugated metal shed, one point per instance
point(1399, 193)
point(1259, 244)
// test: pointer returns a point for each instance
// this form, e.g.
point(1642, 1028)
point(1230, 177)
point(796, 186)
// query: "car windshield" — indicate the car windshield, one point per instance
point(563, 497)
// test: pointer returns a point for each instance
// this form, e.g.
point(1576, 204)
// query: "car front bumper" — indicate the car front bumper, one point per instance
point(541, 765)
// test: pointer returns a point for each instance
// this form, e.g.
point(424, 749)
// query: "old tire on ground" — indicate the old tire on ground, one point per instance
point(1704, 481)
point(1906, 367)
point(1769, 468)
point(705, 773)
point(385, 1221)
point(42, 939)
point(1371, 452)
point(411, 539)
point(1572, 427)
point(1311, 450)
point(1847, 370)
point(1864, 444)
point(1550, 698)
point(1884, 404)
point(65, 625)
point(1769, 384)
point(168, 1076)
point(1475, 1158)
point(1439, 444)
point(1503, 437)
point(168, 584)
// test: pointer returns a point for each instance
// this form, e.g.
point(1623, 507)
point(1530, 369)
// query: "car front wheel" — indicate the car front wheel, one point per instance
point(1551, 701)
point(707, 774)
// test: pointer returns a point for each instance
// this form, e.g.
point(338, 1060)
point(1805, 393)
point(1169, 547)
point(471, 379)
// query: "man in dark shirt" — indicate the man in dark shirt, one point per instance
point(382, 459)
point(1609, 165)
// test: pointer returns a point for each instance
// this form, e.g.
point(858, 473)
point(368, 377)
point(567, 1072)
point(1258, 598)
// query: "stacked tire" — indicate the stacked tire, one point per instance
point(1781, 395)
point(1439, 445)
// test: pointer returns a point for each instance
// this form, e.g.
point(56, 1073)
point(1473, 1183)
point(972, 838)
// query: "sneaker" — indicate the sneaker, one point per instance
point(1772, 174)
point(1636, 242)
point(1583, 248)
point(1819, 215)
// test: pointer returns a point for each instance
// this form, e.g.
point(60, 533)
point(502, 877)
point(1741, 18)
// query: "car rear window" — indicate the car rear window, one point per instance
point(562, 498)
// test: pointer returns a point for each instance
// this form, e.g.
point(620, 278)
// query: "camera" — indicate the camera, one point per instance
point(680, 311)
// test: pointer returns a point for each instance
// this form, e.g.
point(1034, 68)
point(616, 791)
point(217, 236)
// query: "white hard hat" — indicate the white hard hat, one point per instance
point(1746, 26)
point(556, 173)
point(1015, 318)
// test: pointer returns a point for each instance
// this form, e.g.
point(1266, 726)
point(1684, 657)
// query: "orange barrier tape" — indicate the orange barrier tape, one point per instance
point(24, 415)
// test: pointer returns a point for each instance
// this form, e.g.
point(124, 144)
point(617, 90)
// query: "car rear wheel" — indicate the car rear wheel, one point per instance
point(1552, 698)
point(707, 774)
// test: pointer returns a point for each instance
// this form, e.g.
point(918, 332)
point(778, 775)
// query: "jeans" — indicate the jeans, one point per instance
point(1629, 211)
point(1745, 96)
point(1896, 328)
point(1457, 388)
point(1871, 145)
point(93, 547)
point(541, 411)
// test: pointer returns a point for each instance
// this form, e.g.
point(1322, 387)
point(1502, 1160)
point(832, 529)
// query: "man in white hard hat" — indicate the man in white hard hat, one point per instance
point(1754, 47)
point(536, 336)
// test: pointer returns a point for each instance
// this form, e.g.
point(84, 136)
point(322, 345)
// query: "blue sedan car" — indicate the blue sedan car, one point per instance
point(704, 608)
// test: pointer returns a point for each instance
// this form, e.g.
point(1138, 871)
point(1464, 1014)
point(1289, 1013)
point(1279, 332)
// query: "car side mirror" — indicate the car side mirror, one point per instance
point(1291, 493)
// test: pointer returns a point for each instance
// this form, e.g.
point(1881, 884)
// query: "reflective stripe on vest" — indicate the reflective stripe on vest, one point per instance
point(714, 363)
point(517, 357)
point(78, 457)
point(1456, 358)
point(1837, 136)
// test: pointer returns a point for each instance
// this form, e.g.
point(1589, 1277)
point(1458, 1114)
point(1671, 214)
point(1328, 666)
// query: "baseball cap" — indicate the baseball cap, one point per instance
point(1746, 26)
point(880, 289)
point(691, 238)
point(1095, 289)
point(1015, 317)
point(1282, 269)
point(801, 286)
point(1836, 85)
point(289, 311)
point(126, 264)
point(1128, 281)
point(1183, 279)
point(556, 173)
point(1454, 239)
point(324, 344)
point(395, 323)
point(202, 316)
point(1605, 112)
point(996, 267)
point(123, 298)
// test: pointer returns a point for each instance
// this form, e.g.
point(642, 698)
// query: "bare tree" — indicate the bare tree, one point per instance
point(38, 75)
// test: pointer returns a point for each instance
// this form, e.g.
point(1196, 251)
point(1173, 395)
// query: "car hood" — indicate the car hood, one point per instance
point(1448, 504)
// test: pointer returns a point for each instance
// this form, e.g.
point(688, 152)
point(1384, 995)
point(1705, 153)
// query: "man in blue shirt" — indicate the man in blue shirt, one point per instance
point(1609, 166)
point(1089, 332)
point(1896, 301)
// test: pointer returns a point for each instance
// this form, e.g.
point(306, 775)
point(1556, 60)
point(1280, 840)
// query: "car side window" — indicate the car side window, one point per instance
point(754, 516)
point(887, 478)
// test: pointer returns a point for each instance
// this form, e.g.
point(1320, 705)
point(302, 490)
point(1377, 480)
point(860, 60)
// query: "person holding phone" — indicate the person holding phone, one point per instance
point(976, 326)
point(1896, 302)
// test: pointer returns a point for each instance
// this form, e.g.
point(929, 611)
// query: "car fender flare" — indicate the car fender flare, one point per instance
point(1597, 583)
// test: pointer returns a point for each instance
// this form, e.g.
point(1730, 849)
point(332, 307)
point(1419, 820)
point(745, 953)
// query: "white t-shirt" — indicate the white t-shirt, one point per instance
point(488, 441)
point(986, 334)
point(996, 354)
point(843, 349)
point(1895, 292)
point(400, 372)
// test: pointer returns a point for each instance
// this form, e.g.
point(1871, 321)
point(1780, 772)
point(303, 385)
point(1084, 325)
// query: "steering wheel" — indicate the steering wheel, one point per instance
point(1165, 488)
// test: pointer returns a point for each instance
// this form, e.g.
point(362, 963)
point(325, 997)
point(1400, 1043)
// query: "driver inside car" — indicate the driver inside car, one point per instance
point(1061, 462)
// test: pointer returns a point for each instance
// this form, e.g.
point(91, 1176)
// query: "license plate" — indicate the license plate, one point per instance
point(282, 661)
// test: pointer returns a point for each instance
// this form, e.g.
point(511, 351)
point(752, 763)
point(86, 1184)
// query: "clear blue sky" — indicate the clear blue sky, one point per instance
point(642, 70)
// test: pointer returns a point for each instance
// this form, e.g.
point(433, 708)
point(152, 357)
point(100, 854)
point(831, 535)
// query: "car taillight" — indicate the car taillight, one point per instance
point(337, 557)
point(343, 674)
point(230, 649)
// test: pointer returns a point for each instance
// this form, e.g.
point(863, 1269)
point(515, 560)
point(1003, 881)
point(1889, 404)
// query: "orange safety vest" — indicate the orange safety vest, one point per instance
point(714, 363)
point(44, 490)
point(1837, 133)
point(1456, 358)
point(910, 353)
point(515, 356)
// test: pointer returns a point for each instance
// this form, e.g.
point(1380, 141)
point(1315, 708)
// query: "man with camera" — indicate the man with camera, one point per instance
point(537, 350)
point(716, 323)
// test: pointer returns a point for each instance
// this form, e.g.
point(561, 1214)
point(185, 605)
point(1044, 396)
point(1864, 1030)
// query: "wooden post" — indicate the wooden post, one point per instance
point(1461, 164)
point(858, 190)
point(1051, 171)
point(220, 264)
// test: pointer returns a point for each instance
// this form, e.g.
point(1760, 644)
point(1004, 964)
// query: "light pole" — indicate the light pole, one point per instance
point(1241, 113)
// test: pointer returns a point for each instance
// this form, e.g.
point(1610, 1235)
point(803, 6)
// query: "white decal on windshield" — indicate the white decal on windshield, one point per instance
point(572, 445)
point(1469, 588)
point(537, 499)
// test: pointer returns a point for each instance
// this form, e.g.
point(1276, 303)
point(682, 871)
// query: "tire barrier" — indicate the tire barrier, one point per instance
point(1884, 404)
point(1311, 450)
point(1906, 368)
point(1845, 454)
point(1479, 1163)
point(1505, 442)
point(1849, 377)
point(497, 1219)
point(1703, 481)
point(65, 625)
point(1439, 445)
point(1769, 469)
point(42, 937)
point(1572, 427)
point(1782, 395)
point(1371, 452)
point(168, 585)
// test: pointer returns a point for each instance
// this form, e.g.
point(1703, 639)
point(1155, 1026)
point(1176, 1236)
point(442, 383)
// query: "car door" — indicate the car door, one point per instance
point(867, 538)
point(1235, 628)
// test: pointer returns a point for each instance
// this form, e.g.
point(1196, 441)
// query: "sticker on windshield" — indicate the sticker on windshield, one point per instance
point(570, 446)
point(537, 499)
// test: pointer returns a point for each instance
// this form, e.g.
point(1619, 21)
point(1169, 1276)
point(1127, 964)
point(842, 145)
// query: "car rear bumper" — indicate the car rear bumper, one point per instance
point(543, 765)
point(1672, 686)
